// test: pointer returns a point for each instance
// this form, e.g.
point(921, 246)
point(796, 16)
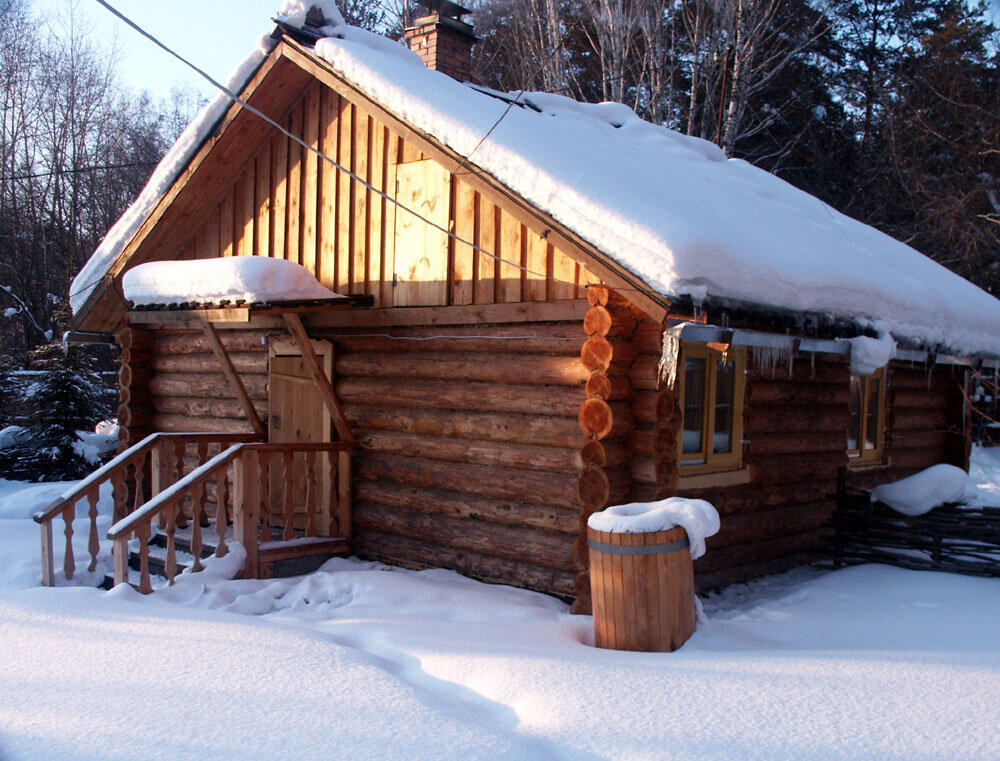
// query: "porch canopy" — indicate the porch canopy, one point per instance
point(233, 289)
point(239, 281)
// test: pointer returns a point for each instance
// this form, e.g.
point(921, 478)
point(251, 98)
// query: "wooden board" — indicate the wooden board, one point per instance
point(296, 413)
point(421, 261)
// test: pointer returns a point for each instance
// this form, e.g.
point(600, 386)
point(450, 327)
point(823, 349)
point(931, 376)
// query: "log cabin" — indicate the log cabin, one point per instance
point(551, 307)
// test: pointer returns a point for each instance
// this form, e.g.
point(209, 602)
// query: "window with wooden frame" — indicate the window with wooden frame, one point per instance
point(866, 434)
point(711, 390)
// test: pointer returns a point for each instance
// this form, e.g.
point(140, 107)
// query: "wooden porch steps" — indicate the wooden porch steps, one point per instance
point(276, 559)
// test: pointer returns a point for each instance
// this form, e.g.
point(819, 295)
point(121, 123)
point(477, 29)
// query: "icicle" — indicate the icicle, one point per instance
point(669, 356)
point(791, 362)
point(769, 357)
point(812, 365)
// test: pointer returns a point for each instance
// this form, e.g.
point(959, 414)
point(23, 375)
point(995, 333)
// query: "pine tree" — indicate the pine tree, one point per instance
point(67, 397)
point(941, 135)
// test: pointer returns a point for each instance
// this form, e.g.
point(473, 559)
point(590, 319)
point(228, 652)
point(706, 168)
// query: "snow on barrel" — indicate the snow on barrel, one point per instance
point(641, 576)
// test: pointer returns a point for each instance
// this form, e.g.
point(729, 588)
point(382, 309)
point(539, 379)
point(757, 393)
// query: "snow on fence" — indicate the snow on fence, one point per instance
point(952, 538)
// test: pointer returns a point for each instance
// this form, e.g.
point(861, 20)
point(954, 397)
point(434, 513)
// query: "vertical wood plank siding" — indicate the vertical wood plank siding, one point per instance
point(289, 204)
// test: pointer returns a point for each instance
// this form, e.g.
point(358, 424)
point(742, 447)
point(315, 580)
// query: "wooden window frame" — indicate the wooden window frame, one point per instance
point(860, 455)
point(708, 461)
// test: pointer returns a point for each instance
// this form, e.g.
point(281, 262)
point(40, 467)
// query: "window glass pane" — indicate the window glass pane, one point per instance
point(874, 389)
point(725, 395)
point(854, 430)
point(694, 404)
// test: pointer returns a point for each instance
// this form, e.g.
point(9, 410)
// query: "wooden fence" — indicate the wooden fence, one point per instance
point(950, 538)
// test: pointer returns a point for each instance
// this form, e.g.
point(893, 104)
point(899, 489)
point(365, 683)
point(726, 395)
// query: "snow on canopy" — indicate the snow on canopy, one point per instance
point(234, 278)
point(669, 207)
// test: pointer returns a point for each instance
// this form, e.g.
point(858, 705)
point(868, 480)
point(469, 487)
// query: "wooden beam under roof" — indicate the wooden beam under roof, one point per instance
point(323, 384)
point(233, 377)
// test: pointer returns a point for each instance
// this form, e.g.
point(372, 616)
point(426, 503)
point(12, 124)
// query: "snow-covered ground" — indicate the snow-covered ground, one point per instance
point(361, 661)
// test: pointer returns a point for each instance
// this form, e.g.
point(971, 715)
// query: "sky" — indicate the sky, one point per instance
point(216, 40)
point(213, 34)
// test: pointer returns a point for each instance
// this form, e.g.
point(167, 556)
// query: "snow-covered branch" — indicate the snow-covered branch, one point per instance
point(22, 308)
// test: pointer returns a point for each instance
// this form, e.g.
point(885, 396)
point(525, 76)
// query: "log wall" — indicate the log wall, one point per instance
point(484, 448)
point(795, 424)
point(135, 409)
point(286, 203)
point(469, 448)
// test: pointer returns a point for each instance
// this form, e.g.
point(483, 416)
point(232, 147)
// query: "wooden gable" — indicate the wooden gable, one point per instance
point(251, 190)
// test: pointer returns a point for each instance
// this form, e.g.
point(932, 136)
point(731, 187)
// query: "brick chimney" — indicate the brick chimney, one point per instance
point(443, 40)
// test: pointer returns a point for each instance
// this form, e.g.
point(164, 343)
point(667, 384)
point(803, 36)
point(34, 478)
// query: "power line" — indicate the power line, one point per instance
point(516, 99)
point(236, 99)
point(79, 170)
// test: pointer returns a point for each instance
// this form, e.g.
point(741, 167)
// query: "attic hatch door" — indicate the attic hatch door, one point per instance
point(420, 273)
point(296, 413)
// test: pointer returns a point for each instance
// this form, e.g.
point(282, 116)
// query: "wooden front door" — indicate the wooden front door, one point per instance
point(296, 413)
point(420, 273)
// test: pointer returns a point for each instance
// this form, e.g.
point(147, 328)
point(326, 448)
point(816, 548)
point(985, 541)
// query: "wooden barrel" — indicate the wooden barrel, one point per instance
point(643, 590)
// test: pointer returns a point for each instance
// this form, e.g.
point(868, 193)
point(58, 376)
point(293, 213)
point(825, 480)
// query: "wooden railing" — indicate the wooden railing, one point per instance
point(252, 509)
point(147, 467)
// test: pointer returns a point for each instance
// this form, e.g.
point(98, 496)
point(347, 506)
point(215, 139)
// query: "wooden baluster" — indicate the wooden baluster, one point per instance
point(331, 469)
point(202, 459)
point(221, 495)
point(288, 464)
point(179, 449)
point(310, 494)
point(246, 509)
point(48, 562)
point(170, 564)
point(142, 533)
point(139, 472)
point(94, 545)
point(69, 562)
point(344, 494)
point(197, 492)
point(118, 493)
point(120, 554)
point(159, 475)
point(264, 495)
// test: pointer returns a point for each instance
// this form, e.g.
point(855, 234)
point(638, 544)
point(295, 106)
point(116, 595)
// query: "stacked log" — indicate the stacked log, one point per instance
point(605, 420)
point(927, 419)
point(468, 446)
point(135, 409)
point(188, 389)
point(795, 425)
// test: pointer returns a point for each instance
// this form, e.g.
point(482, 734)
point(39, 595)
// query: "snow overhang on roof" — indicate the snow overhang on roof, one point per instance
point(669, 208)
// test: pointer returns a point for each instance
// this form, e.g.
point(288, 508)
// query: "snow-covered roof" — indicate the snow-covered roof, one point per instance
point(670, 208)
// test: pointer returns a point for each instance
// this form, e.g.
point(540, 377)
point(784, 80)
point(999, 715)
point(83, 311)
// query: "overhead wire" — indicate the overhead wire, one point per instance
point(234, 97)
point(79, 170)
point(515, 101)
